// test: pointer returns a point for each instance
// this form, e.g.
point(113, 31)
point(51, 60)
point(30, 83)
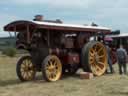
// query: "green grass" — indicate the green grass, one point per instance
point(107, 85)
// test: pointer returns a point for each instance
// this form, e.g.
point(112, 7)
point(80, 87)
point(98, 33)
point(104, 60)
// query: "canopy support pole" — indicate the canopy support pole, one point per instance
point(28, 34)
point(15, 31)
point(48, 38)
point(10, 34)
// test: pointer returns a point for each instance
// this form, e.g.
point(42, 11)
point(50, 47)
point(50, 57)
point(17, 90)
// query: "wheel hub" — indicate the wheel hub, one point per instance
point(96, 56)
point(52, 68)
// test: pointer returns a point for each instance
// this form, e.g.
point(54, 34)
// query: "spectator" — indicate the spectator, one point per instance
point(121, 56)
point(109, 58)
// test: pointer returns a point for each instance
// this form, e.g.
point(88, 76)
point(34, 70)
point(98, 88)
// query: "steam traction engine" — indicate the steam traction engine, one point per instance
point(56, 48)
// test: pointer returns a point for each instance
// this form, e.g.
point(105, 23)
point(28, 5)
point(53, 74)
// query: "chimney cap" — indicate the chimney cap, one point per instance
point(38, 17)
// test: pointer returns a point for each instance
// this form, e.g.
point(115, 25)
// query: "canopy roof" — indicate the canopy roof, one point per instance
point(118, 35)
point(22, 24)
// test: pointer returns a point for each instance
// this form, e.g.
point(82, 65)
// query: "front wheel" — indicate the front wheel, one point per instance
point(94, 58)
point(51, 68)
point(25, 69)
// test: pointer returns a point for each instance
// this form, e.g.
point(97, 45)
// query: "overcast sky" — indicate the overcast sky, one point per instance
point(109, 13)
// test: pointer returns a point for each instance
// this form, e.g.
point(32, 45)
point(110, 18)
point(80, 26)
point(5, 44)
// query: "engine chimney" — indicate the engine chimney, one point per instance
point(38, 18)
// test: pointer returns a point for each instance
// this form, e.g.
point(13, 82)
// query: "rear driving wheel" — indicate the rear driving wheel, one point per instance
point(94, 58)
point(52, 68)
point(25, 69)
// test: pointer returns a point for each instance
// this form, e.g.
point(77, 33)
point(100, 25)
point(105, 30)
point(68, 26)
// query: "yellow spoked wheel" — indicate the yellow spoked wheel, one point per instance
point(52, 68)
point(25, 69)
point(95, 58)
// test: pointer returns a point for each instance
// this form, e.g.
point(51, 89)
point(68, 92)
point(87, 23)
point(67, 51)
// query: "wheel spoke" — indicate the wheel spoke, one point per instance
point(101, 64)
point(93, 68)
point(95, 48)
point(101, 49)
point(24, 75)
point(53, 61)
point(51, 76)
point(31, 72)
point(54, 75)
point(98, 68)
point(51, 64)
point(26, 63)
point(48, 65)
point(101, 56)
point(27, 75)
point(91, 54)
point(23, 66)
point(92, 50)
point(91, 61)
point(22, 69)
point(30, 64)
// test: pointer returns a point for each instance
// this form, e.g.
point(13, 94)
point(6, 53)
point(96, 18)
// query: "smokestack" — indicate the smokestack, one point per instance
point(58, 21)
point(38, 18)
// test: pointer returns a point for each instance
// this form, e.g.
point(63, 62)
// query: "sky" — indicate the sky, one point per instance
point(109, 13)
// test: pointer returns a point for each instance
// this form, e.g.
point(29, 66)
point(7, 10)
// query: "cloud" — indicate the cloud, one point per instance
point(6, 18)
point(49, 2)
point(64, 3)
point(71, 3)
point(112, 13)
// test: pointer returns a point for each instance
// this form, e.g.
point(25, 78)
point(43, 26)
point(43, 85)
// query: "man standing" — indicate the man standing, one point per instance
point(109, 58)
point(121, 56)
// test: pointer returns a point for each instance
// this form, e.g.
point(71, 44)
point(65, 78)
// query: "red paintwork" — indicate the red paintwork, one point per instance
point(73, 58)
point(70, 58)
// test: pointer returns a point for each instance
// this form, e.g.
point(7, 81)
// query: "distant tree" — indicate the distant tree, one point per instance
point(11, 52)
point(7, 42)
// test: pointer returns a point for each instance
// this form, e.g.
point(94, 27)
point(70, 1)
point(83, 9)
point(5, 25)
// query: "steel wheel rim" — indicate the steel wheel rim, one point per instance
point(53, 68)
point(27, 69)
point(98, 59)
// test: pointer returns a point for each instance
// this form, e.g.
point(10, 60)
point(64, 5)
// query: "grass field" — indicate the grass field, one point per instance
point(107, 85)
